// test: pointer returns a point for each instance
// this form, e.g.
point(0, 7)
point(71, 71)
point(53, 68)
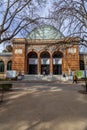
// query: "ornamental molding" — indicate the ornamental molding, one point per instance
point(72, 50)
point(33, 48)
point(18, 51)
point(19, 45)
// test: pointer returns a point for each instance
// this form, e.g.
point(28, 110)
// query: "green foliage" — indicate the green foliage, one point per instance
point(79, 73)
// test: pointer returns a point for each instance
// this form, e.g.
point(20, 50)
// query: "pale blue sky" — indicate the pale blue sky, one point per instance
point(45, 9)
point(43, 12)
point(1, 47)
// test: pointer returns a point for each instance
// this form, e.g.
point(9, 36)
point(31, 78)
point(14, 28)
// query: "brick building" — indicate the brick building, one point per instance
point(42, 52)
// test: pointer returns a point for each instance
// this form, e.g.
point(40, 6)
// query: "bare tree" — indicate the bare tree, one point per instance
point(71, 18)
point(9, 48)
point(16, 16)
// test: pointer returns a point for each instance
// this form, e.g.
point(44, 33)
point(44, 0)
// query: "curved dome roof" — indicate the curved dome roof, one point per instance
point(45, 32)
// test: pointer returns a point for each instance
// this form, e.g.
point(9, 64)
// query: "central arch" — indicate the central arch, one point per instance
point(45, 62)
point(57, 63)
point(32, 60)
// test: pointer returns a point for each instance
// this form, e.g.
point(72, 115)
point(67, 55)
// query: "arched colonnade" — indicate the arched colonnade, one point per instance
point(5, 66)
point(44, 62)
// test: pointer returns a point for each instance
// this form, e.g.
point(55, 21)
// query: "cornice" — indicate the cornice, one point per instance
point(66, 40)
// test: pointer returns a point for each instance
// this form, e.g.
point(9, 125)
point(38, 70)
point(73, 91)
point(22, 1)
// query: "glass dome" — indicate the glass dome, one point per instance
point(45, 32)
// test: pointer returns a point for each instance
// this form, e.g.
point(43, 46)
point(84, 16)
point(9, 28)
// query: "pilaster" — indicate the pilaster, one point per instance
point(39, 65)
point(51, 65)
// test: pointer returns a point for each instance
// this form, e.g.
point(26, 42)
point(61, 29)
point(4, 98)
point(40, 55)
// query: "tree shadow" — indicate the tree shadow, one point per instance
point(85, 128)
point(82, 91)
point(34, 125)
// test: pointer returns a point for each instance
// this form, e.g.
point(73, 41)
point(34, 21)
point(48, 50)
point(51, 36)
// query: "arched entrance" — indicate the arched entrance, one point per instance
point(57, 63)
point(32, 61)
point(9, 65)
point(1, 66)
point(45, 63)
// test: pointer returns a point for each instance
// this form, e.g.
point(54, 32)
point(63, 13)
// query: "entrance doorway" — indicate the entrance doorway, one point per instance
point(32, 69)
point(45, 63)
point(32, 63)
point(57, 63)
point(57, 69)
point(46, 69)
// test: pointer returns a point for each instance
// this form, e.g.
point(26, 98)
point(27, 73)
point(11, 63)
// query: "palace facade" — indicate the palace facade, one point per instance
point(42, 53)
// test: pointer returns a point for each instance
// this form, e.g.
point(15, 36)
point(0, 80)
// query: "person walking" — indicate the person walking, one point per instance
point(74, 78)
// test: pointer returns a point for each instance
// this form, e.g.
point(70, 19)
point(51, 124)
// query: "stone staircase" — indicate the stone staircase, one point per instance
point(42, 78)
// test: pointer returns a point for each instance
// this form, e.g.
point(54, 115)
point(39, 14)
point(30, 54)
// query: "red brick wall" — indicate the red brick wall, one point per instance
point(71, 60)
point(19, 58)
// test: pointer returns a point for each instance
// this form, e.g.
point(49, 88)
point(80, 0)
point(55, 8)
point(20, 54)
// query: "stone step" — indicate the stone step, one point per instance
point(45, 78)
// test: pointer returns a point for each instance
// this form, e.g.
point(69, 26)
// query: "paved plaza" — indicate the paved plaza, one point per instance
point(44, 106)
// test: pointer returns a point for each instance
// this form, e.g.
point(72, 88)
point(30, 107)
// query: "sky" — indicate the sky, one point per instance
point(1, 47)
point(44, 12)
point(45, 9)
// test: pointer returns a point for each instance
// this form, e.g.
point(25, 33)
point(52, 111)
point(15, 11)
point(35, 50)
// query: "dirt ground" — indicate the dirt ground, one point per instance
point(44, 106)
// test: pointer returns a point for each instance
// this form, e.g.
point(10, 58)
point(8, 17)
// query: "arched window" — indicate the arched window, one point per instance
point(32, 61)
point(82, 65)
point(9, 65)
point(32, 55)
point(1, 66)
point(45, 62)
point(45, 55)
point(57, 55)
point(57, 62)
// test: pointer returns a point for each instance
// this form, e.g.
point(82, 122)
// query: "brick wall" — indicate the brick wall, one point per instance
point(19, 57)
point(71, 59)
point(21, 48)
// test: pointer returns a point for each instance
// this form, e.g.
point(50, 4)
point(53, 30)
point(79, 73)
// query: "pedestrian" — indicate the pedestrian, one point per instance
point(44, 73)
point(74, 78)
point(64, 75)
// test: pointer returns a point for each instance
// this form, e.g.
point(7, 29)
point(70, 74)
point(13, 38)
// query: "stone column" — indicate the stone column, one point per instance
point(26, 64)
point(39, 65)
point(5, 66)
point(5, 69)
point(51, 65)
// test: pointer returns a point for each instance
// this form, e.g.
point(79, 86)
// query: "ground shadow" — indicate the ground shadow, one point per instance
point(82, 91)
